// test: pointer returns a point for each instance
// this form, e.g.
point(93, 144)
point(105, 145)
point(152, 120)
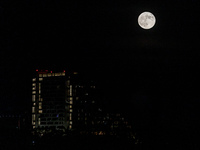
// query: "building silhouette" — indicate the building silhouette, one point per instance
point(68, 102)
point(60, 100)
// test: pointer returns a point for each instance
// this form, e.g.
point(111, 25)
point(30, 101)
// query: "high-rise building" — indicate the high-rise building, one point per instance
point(60, 100)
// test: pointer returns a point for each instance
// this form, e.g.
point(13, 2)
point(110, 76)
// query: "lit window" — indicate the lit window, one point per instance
point(34, 79)
point(40, 99)
point(44, 75)
point(71, 102)
point(33, 127)
point(49, 74)
point(33, 104)
point(33, 92)
point(71, 110)
point(39, 91)
point(70, 122)
point(33, 88)
point(33, 123)
point(40, 75)
point(70, 106)
point(57, 74)
point(33, 84)
point(70, 94)
point(33, 98)
point(70, 126)
point(33, 109)
point(40, 111)
point(40, 79)
point(63, 73)
point(71, 98)
point(40, 105)
point(33, 117)
point(38, 122)
point(39, 85)
point(75, 72)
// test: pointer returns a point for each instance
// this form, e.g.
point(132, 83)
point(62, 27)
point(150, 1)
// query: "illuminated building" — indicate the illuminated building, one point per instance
point(59, 100)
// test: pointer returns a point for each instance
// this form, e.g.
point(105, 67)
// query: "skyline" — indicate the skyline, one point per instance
point(103, 41)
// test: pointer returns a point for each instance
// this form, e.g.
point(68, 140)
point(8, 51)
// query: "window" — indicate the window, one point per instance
point(33, 88)
point(33, 117)
point(40, 75)
point(33, 109)
point(34, 79)
point(33, 104)
point(49, 74)
point(71, 110)
point(33, 84)
point(44, 75)
point(33, 98)
point(40, 105)
point(63, 73)
point(57, 74)
point(70, 93)
point(71, 102)
point(40, 111)
point(40, 79)
point(70, 106)
point(33, 92)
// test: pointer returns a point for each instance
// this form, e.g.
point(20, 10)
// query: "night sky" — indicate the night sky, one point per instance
point(153, 73)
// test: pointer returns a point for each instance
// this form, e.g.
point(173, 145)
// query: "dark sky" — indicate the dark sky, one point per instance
point(154, 71)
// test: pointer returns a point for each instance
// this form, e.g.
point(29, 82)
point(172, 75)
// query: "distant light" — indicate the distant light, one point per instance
point(75, 72)
point(51, 71)
point(63, 70)
point(36, 69)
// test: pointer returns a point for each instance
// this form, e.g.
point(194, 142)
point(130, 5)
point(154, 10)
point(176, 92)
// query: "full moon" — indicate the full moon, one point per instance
point(146, 20)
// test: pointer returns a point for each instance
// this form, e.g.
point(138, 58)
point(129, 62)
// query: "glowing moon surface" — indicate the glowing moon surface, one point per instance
point(146, 20)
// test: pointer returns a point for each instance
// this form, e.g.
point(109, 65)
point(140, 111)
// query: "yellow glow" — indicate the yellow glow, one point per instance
point(33, 109)
point(44, 75)
point(40, 111)
point(33, 92)
point(70, 94)
point(33, 98)
point(70, 110)
point(57, 74)
point(40, 79)
point(33, 117)
point(34, 79)
point(40, 105)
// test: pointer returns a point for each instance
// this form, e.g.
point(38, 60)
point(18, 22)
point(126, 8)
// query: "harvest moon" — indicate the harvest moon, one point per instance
point(146, 20)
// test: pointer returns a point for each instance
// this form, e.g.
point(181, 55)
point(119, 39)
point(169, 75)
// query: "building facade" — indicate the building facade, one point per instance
point(60, 100)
